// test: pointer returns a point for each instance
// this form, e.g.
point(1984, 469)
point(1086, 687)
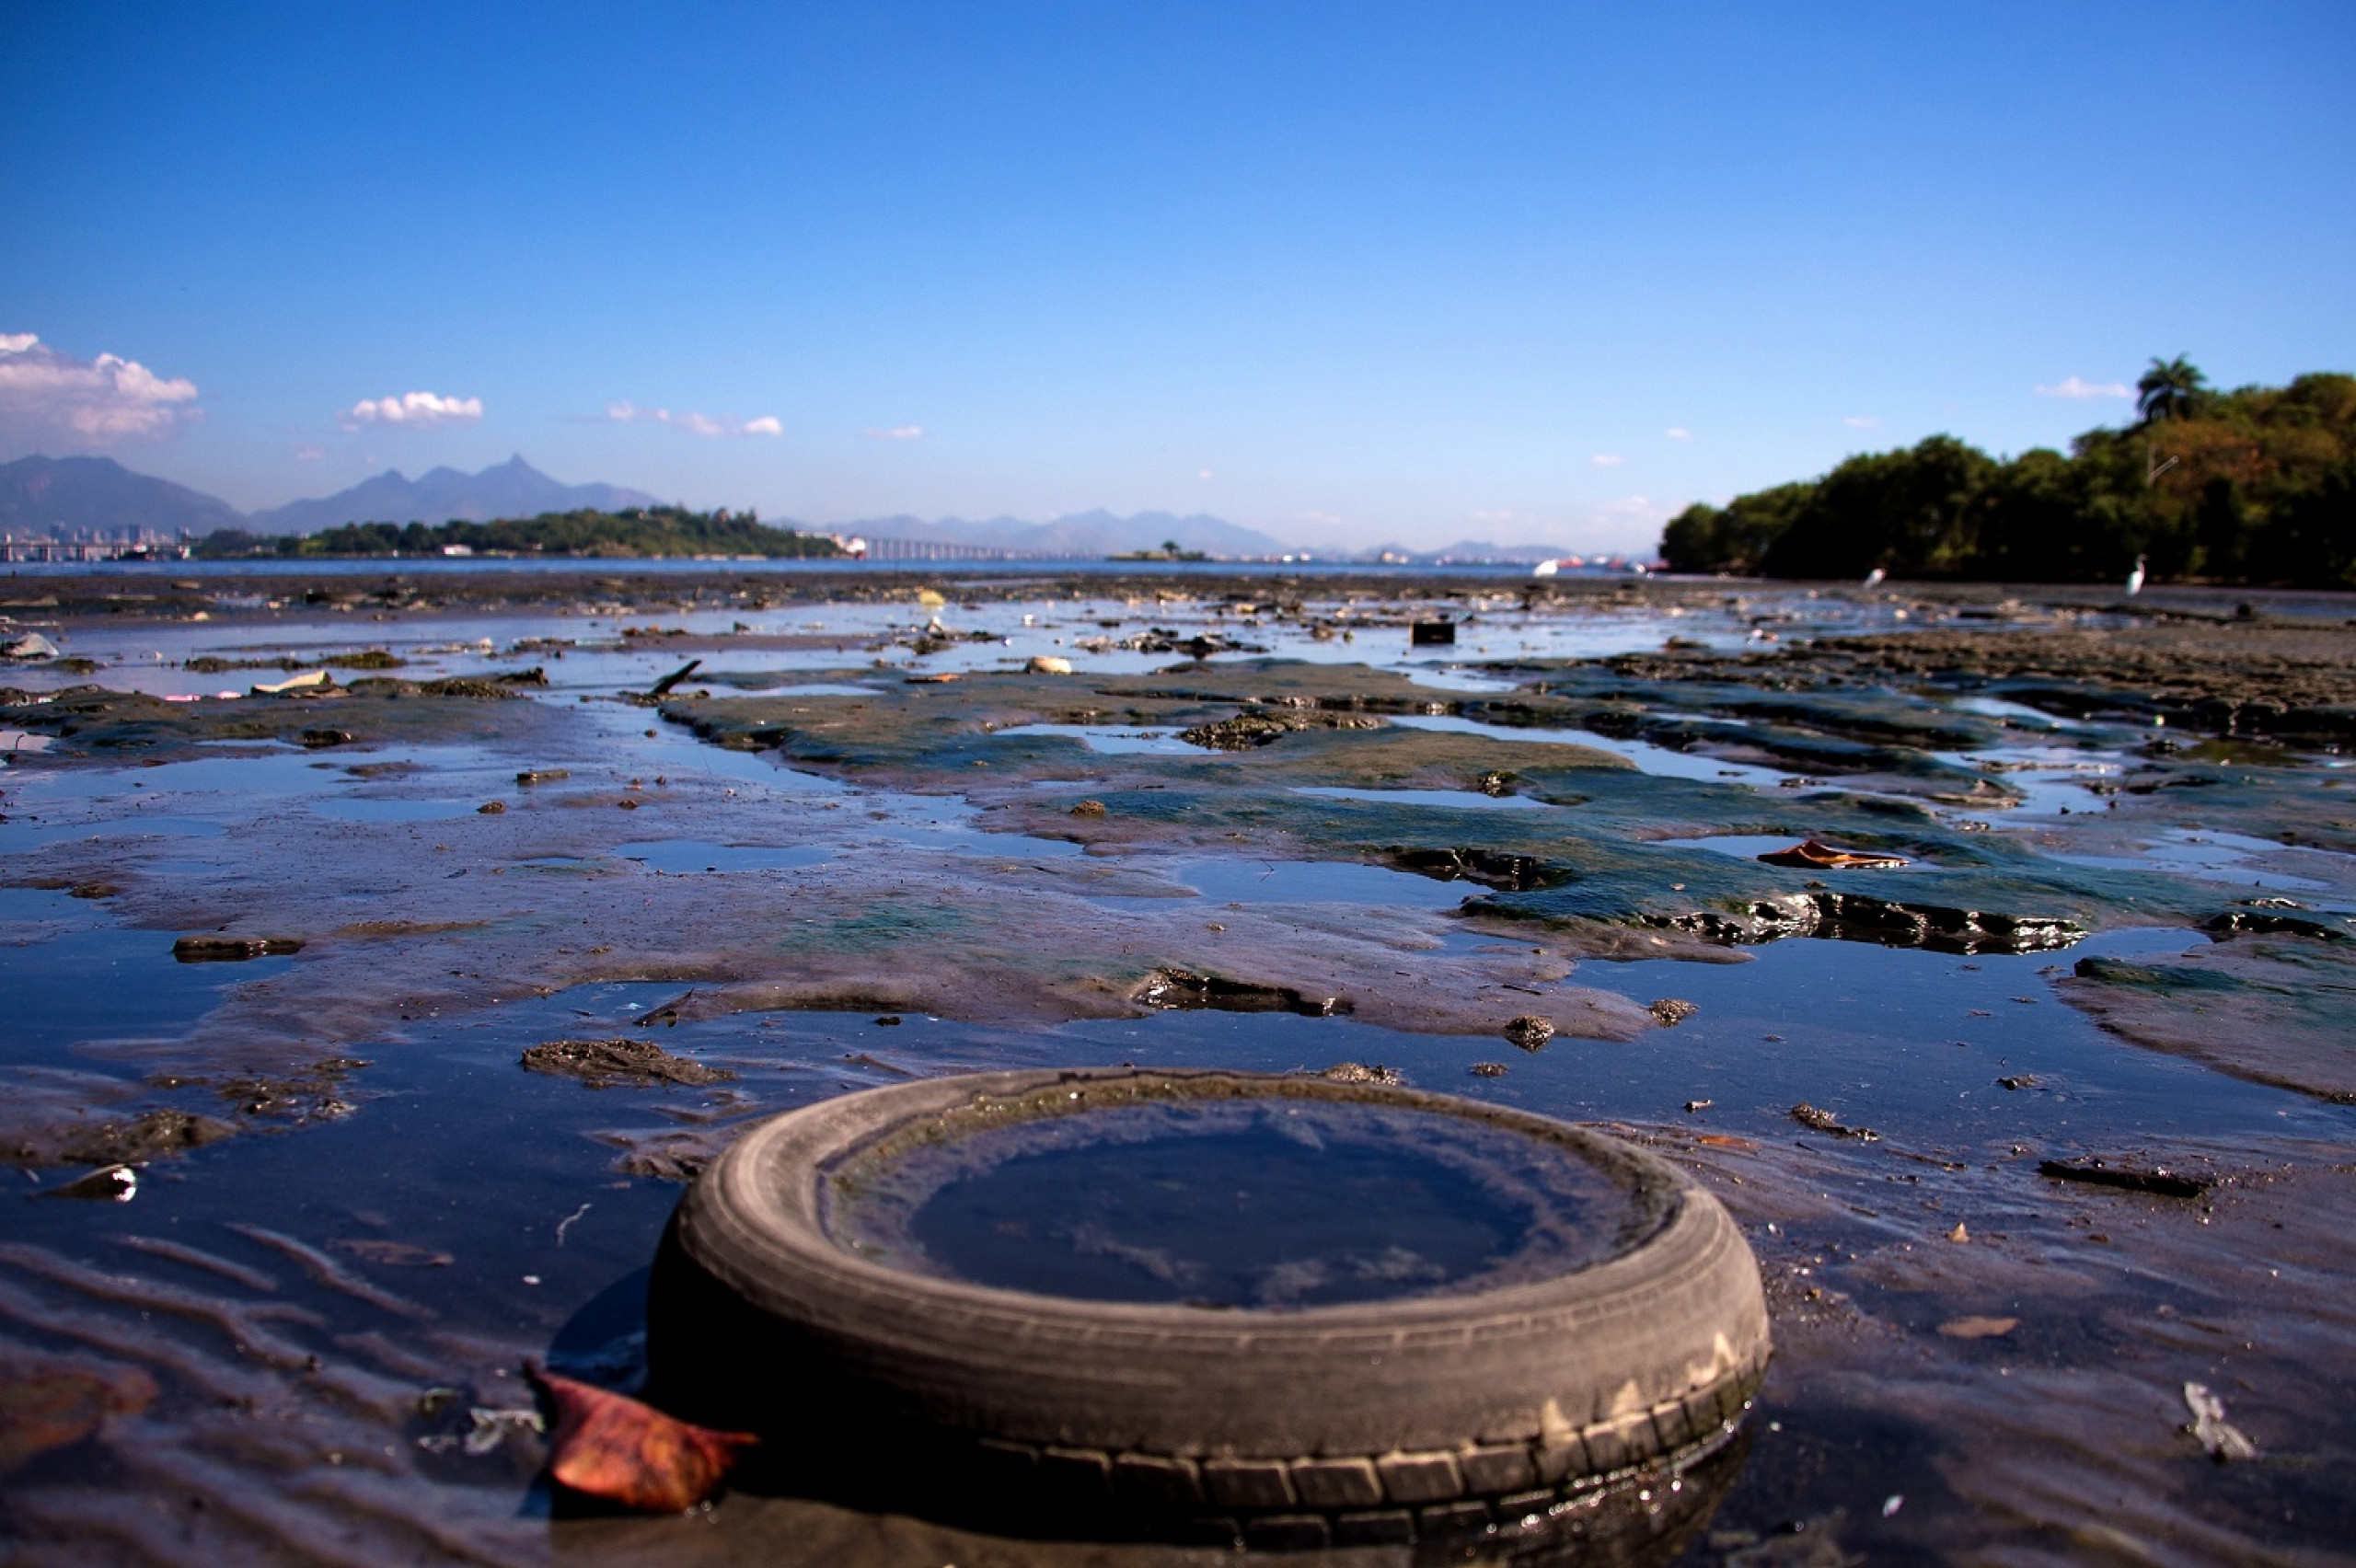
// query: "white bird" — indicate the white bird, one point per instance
point(2135, 579)
point(1873, 578)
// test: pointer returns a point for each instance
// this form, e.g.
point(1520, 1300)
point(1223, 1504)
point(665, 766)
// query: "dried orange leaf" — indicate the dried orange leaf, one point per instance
point(1817, 857)
point(608, 1444)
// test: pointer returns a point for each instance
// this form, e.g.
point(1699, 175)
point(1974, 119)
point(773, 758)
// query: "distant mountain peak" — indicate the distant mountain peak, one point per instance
point(513, 489)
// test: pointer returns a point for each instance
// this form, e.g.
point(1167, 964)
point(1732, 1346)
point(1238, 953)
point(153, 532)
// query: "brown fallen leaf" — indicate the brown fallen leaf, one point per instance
point(608, 1444)
point(1815, 856)
point(48, 1402)
point(1978, 1328)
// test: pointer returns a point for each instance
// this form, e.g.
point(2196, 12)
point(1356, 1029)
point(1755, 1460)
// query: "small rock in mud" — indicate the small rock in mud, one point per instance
point(232, 949)
point(1088, 809)
point(531, 776)
point(1529, 1031)
point(320, 739)
point(1672, 1011)
point(1362, 1072)
point(602, 1064)
point(114, 1183)
point(2095, 1171)
point(888, 1021)
point(1488, 1069)
point(2018, 1080)
point(1808, 1116)
point(491, 808)
point(1048, 665)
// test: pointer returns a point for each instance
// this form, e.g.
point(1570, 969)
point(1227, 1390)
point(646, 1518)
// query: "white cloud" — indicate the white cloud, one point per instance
point(1861, 422)
point(414, 408)
point(1323, 519)
point(2071, 386)
point(1677, 432)
point(309, 454)
point(1494, 516)
point(47, 398)
point(1204, 474)
point(694, 424)
point(894, 433)
point(1606, 460)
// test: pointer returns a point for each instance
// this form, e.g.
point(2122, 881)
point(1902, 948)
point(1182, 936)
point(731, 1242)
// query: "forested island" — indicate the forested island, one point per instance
point(640, 532)
point(2254, 486)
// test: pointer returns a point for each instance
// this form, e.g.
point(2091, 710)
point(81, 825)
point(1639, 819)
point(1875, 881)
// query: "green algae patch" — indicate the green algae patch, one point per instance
point(2270, 1008)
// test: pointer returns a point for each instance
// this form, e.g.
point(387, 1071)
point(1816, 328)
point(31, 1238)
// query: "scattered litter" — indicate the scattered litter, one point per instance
point(27, 645)
point(1694, 1105)
point(1432, 634)
point(1813, 856)
point(2223, 1440)
point(610, 1446)
point(1047, 665)
point(1961, 1233)
point(568, 1222)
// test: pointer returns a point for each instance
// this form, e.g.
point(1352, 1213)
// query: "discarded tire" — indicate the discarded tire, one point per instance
point(1453, 1402)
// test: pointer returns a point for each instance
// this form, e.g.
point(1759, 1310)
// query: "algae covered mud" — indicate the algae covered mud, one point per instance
point(374, 1020)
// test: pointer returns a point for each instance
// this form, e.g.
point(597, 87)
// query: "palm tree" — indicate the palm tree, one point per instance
point(2169, 389)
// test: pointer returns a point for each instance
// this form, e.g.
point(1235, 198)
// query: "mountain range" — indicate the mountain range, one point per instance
point(69, 496)
point(513, 489)
point(98, 495)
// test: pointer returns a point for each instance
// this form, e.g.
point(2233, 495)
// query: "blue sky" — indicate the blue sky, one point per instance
point(1345, 273)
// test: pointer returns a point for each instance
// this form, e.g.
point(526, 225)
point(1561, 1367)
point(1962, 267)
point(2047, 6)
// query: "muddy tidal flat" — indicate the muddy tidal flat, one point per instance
point(381, 950)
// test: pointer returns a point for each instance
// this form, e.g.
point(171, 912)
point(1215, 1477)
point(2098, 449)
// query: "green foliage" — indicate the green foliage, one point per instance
point(2256, 484)
point(646, 531)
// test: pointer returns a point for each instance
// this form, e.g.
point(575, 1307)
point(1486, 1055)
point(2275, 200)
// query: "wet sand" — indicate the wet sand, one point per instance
point(2121, 933)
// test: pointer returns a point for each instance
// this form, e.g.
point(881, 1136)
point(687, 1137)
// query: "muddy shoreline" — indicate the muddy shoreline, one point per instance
point(907, 824)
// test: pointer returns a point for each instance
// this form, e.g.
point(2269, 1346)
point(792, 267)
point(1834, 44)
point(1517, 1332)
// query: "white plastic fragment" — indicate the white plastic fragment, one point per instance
point(2223, 1440)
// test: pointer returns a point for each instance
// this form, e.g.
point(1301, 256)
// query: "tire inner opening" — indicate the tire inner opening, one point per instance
point(1266, 1204)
